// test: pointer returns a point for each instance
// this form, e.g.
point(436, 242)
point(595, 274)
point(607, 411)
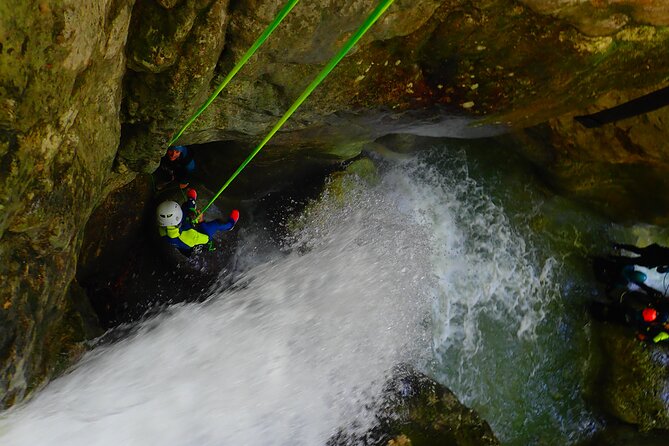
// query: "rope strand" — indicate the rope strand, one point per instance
point(371, 19)
point(270, 28)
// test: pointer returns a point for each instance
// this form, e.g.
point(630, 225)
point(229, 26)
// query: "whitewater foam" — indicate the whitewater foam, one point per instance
point(293, 352)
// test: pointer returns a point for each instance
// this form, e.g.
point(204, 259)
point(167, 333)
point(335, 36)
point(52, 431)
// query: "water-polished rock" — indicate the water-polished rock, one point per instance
point(416, 410)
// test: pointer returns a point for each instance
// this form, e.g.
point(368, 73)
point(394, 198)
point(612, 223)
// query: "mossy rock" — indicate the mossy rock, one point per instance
point(631, 381)
point(340, 182)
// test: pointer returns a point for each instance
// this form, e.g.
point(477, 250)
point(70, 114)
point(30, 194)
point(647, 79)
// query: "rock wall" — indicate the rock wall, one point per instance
point(597, 18)
point(61, 70)
point(78, 119)
point(456, 68)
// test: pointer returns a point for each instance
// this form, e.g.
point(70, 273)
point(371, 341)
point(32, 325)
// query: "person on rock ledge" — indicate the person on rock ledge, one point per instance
point(190, 232)
point(177, 165)
point(648, 316)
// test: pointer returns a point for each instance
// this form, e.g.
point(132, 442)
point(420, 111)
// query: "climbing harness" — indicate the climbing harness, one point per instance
point(371, 19)
point(272, 26)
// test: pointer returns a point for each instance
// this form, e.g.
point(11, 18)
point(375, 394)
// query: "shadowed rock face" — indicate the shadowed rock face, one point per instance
point(616, 168)
point(494, 59)
point(89, 95)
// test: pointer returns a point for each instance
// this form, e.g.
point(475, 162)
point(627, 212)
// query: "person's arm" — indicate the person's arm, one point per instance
point(232, 220)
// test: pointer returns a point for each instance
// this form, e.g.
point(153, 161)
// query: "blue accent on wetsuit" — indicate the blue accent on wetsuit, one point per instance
point(186, 236)
point(212, 227)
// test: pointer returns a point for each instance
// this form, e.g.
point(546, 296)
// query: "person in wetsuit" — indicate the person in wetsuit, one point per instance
point(184, 233)
point(177, 165)
point(646, 315)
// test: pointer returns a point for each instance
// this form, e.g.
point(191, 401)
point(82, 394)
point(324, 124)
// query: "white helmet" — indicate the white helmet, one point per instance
point(169, 213)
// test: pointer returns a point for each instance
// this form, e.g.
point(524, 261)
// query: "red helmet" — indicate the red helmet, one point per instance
point(192, 194)
point(649, 314)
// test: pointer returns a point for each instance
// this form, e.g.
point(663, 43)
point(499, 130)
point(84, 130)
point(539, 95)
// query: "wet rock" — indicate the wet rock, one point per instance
point(415, 410)
point(601, 18)
point(614, 168)
point(626, 435)
point(631, 379)
point(128, 272)
point(61, 67)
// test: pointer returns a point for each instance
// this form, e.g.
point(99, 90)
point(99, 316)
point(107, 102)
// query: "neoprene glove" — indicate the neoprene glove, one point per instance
point(661, 337)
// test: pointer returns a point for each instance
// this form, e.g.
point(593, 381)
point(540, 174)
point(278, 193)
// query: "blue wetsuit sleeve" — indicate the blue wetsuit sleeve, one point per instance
point(190, 167)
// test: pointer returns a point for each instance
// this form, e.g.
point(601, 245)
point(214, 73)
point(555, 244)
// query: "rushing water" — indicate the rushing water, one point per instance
point(454, 262)
point(503, 336)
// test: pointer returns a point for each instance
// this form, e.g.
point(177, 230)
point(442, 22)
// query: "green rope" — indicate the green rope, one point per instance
point(371, 19)
point(282, 14)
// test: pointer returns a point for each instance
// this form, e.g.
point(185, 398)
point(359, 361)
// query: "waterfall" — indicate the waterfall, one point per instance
point(423, 267)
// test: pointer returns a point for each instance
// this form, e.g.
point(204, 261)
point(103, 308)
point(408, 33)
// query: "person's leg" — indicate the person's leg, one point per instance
point(655, 255)
point(212, 227)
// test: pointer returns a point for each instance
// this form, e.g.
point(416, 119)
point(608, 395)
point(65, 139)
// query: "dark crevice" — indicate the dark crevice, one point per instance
point(24, 46)
point(9, 138)
point(626, 142)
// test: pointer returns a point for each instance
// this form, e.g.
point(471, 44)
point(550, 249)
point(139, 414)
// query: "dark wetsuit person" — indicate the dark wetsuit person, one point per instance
point(177, 165)
point(645, 314)
point(651, 256)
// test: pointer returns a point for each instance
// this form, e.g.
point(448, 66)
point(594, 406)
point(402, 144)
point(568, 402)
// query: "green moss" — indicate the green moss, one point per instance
point(432, 415)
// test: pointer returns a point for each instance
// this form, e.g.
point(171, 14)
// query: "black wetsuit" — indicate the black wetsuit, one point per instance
point(180, 169)
point(651, 256)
